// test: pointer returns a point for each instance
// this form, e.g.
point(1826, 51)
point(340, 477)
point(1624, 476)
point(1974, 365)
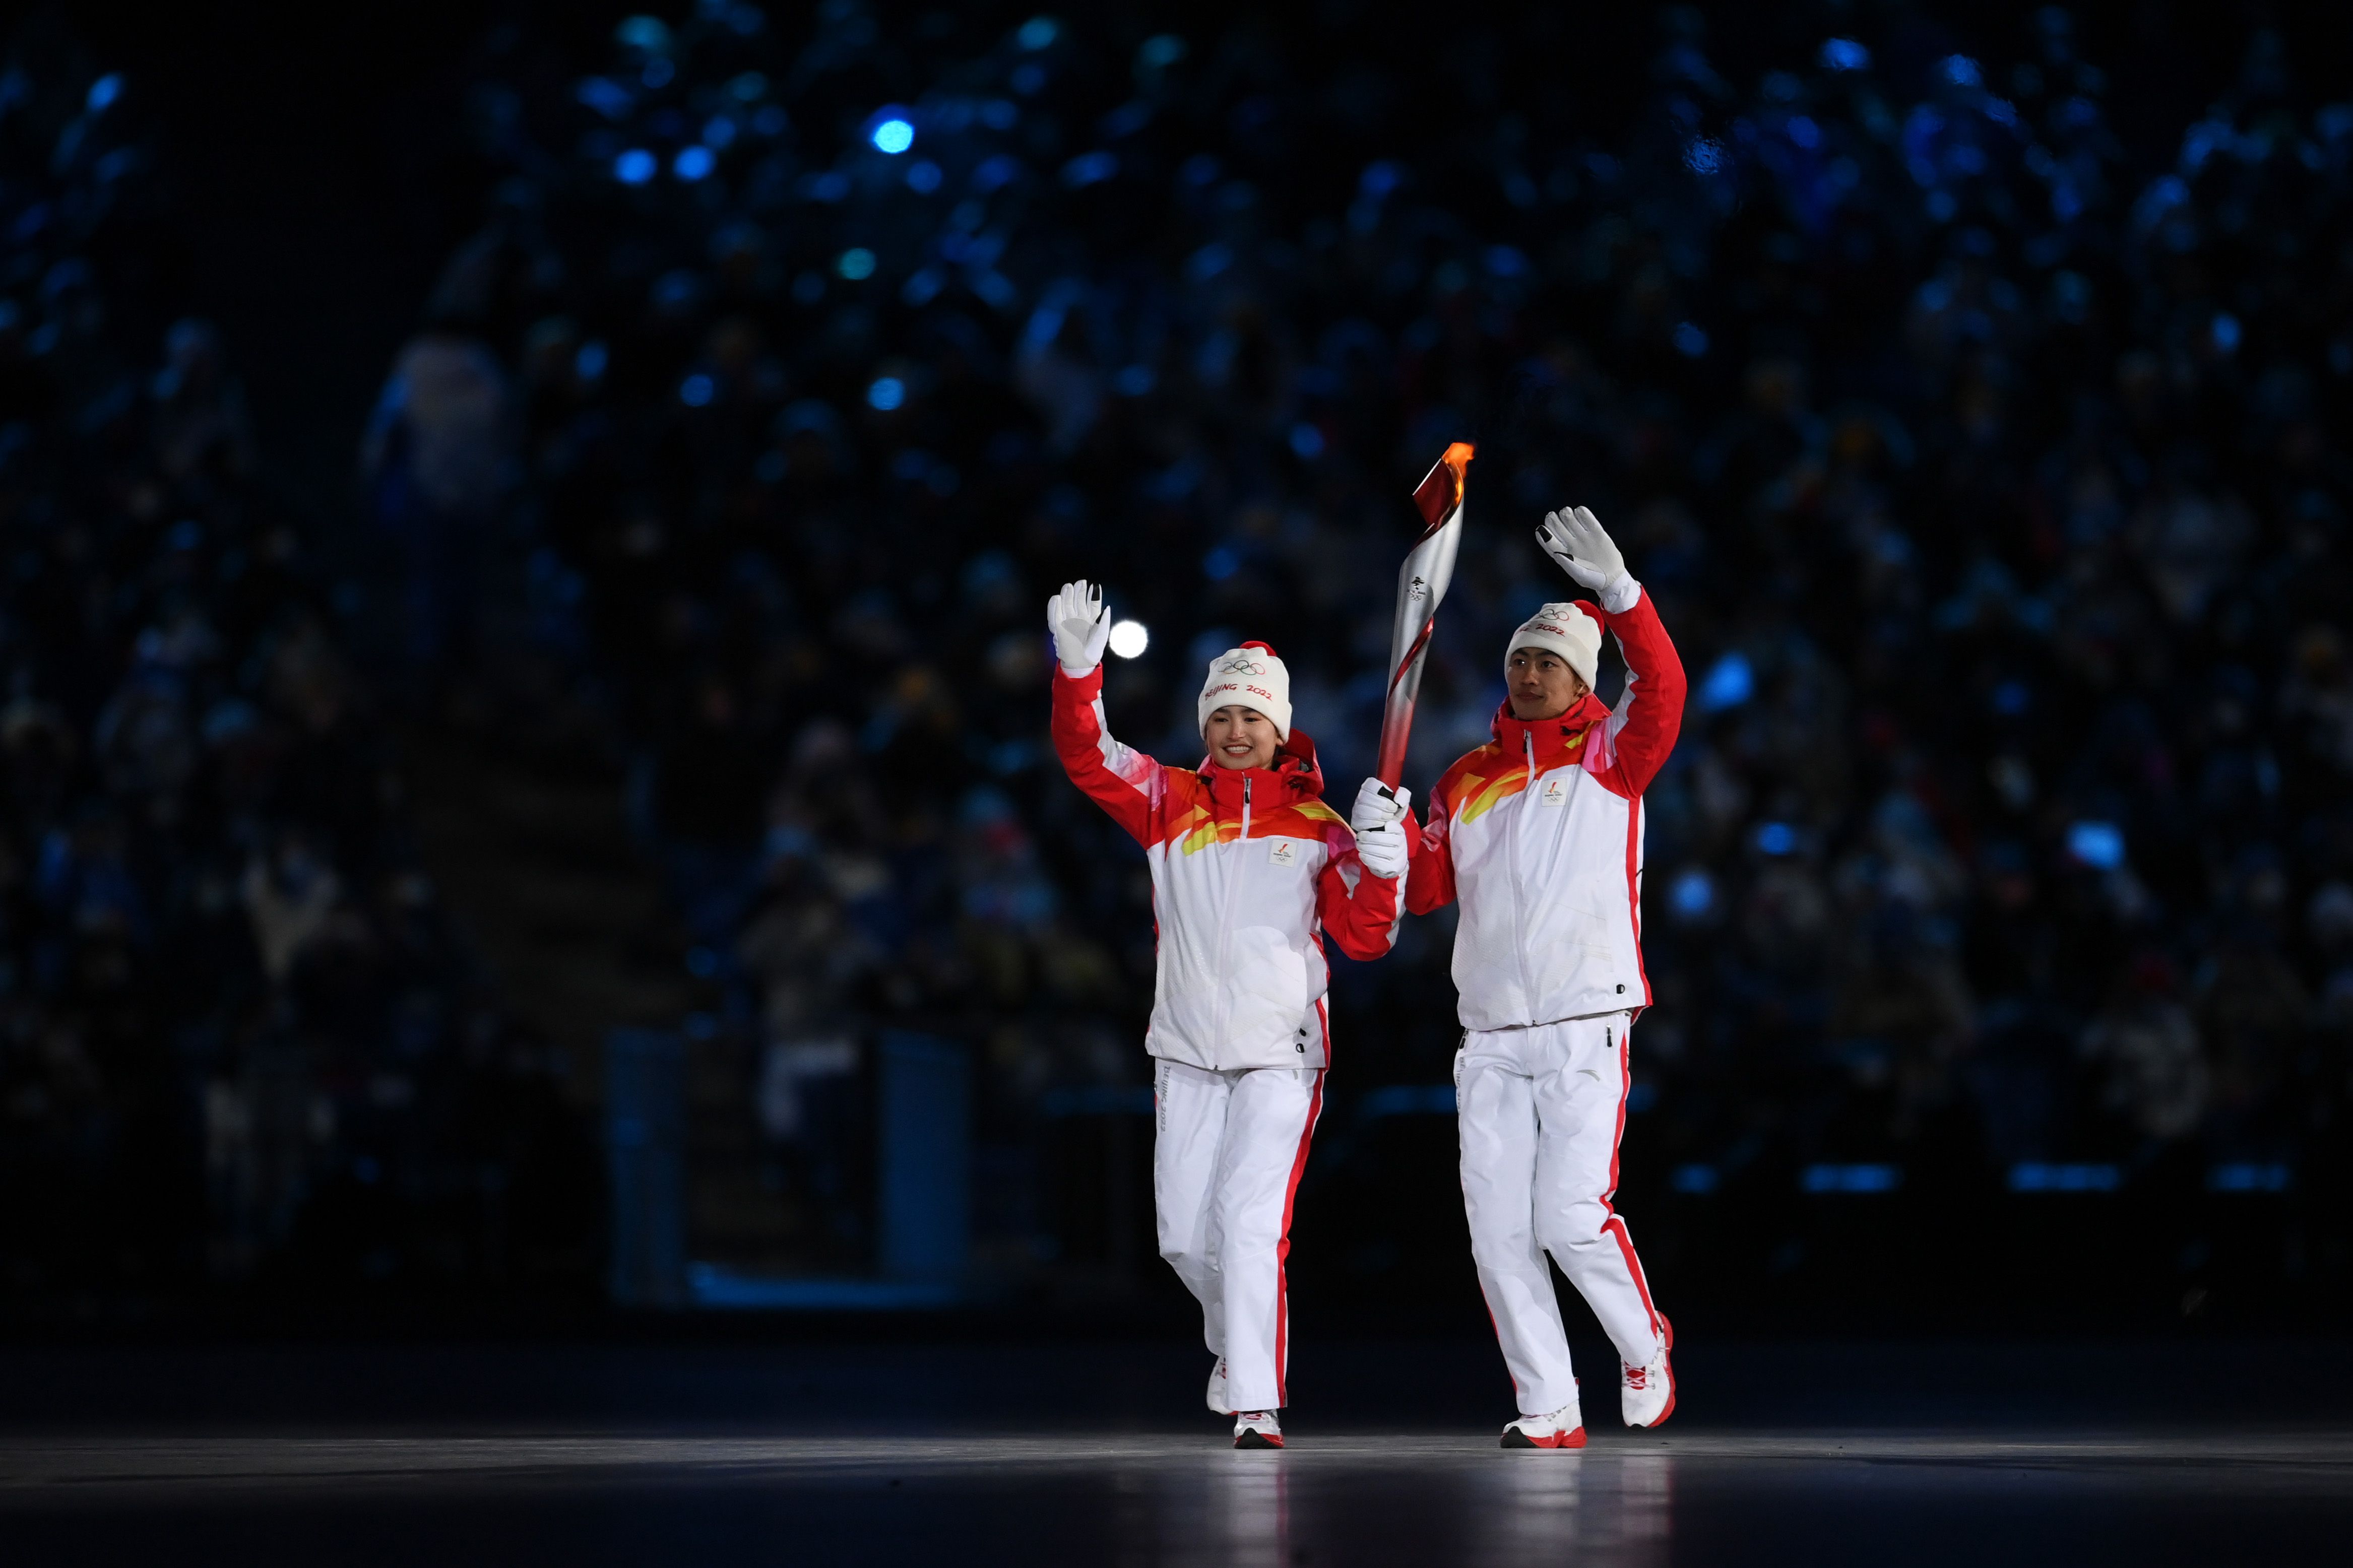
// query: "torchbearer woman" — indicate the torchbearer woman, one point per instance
point(1539, 834)
point(1248, 863)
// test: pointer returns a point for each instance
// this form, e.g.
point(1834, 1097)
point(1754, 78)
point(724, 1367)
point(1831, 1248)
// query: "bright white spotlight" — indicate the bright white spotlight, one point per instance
point(1129, 638)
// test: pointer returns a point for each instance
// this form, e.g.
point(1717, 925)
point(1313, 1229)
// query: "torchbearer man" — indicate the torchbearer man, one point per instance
point(1539, 834)
point(1246, 864)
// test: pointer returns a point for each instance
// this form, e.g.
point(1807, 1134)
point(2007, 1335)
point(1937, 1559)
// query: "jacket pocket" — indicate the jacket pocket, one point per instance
point(1269, 984)
point(1594, 917)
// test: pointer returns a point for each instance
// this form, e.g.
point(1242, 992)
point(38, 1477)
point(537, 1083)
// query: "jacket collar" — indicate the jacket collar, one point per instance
point(1296, 775)
point(1553, 737)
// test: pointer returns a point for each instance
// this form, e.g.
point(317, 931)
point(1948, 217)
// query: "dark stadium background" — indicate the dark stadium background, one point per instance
point(705, 752)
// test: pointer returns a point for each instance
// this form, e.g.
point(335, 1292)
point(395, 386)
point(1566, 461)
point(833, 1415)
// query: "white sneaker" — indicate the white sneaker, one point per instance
point(1218, 1400)
point(1646, 1392)
point(1564, 1429)
point(1258, 1429)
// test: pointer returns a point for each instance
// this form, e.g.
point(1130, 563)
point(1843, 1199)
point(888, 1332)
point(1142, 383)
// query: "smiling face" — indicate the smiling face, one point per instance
point(1240, 738)
point(1541, 684)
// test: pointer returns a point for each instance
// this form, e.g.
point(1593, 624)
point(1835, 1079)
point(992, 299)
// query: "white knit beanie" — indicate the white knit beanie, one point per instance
point(1567, 630)
point(1252, 677)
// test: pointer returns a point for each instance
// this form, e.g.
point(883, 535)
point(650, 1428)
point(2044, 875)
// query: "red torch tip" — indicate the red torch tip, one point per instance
point(1441, 490)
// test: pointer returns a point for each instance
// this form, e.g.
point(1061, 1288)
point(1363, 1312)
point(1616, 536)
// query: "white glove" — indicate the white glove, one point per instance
point(1574, 537)
point(1075, 617)
point(1378, 820)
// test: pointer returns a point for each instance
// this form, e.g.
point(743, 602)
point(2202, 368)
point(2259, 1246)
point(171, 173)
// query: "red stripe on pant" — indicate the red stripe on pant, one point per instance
point(1282, 1250)
point(1613, 1224)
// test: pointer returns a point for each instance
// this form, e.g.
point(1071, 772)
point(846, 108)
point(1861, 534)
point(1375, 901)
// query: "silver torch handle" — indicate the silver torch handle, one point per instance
point(1421, 584)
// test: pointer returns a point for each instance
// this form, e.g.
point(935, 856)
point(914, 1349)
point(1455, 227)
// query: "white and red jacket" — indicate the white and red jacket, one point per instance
point(1246, 864)
point(1539, 834)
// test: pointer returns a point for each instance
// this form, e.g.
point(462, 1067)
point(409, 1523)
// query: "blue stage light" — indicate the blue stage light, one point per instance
point(1693, 894)
point(1161, 51)
point(609, 99)
point(1729, 682)
point(1089, 169)
point(2099, 844)
point(2249, 1177)
point(2039, 1176)
point(1829, 1178)
point(1844, 54)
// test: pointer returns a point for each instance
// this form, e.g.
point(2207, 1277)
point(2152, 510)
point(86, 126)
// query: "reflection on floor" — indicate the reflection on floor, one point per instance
point(723, 1453)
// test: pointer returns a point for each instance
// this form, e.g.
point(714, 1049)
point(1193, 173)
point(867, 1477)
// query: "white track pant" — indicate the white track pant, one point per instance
point(1225, 1165)
point(1541, 1111)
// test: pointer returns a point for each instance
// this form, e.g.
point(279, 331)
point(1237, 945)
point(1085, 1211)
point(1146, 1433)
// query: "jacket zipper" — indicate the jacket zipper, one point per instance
point(1519, 899)
point(1225, 930)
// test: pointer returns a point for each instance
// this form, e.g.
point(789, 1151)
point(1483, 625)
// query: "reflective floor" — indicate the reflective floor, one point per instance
point(722, 1455)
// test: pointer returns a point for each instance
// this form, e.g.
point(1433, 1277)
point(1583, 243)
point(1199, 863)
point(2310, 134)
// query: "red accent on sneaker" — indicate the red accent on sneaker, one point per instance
point(1670, 1410)
point(1668, 1329)
point(1638, 1376)
point(1571, 1440)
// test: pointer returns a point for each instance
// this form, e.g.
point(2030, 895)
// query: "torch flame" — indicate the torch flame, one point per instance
point(1441, 490)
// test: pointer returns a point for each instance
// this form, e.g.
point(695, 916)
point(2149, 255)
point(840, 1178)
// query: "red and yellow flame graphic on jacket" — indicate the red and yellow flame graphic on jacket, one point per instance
point(1193, 823)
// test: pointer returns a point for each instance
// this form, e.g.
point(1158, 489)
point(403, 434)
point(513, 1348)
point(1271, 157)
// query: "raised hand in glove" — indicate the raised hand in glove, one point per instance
point(1379, 818)
point(1575, 537)
point(1075, 617)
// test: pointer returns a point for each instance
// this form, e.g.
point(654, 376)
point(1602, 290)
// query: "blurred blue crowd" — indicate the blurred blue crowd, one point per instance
point(235, 1036)
point(1984, 478)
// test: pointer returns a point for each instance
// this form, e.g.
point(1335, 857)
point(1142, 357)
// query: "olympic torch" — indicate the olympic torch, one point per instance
point(1421, 584)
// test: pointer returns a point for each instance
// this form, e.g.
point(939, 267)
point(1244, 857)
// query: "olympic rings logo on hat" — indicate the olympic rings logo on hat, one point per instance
point(1241, 664)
